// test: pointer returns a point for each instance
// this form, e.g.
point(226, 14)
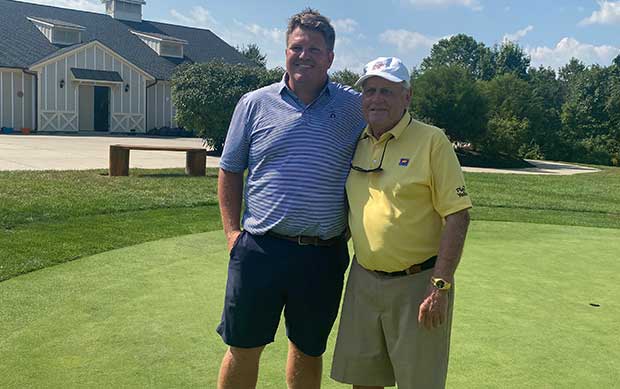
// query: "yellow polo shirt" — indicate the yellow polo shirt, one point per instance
point(397, 215)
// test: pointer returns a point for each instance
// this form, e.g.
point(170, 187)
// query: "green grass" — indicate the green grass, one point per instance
point(48, 218)
point(145, 316)
point(591, 199)
point(53, 217)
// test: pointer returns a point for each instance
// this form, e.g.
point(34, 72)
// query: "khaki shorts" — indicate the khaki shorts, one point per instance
point(379, 340)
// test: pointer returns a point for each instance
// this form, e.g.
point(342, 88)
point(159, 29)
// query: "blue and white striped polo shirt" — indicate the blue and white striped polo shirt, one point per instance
point(298, 158)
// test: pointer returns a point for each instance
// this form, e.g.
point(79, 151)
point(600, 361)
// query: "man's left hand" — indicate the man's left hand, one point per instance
point(434, 309)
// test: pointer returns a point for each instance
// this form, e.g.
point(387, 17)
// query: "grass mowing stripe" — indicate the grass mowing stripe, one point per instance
point(38, 245)
point(31, 196)
point(586, 192)
point(145, 315)
point(546, 216)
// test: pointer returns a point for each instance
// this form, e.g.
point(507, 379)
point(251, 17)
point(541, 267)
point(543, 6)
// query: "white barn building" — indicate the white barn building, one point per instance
point(63, 70)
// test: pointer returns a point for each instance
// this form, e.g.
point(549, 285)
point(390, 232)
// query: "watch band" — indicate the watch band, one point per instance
point(440, 283)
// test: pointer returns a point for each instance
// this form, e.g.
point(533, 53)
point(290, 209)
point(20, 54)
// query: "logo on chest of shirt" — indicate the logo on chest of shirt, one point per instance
point(404, 162)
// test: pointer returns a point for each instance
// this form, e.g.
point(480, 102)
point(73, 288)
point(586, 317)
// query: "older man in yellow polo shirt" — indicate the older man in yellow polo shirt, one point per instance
point(408, 219)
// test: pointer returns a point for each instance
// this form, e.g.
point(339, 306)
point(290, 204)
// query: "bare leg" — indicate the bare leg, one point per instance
point(302, 371)
point(239, 368)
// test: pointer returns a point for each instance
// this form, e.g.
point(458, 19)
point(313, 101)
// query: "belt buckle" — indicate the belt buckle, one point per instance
point(413, 269)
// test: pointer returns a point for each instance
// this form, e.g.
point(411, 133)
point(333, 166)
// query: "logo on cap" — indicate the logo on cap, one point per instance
point(378, 65)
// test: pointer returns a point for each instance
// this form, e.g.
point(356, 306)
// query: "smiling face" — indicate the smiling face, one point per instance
point(384, 103)
point(307, 59)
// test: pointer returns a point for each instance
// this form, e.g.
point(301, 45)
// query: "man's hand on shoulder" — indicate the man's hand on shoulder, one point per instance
point(232, 237)
point(434, 308)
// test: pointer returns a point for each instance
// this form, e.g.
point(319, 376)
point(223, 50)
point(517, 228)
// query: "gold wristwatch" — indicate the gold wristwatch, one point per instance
point(440, 283)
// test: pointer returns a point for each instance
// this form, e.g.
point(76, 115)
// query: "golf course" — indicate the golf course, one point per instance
point(119, 282)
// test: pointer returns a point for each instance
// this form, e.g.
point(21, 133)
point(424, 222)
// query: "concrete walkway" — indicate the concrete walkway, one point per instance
point(540, 167)
point(79, 152)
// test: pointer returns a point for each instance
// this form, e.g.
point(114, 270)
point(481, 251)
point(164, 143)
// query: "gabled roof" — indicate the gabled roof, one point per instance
point(58, 23)
point(67, 51)
point(22, 44)
point(160, 37)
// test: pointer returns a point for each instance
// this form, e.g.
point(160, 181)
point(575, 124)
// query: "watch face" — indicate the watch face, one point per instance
point(440, 284)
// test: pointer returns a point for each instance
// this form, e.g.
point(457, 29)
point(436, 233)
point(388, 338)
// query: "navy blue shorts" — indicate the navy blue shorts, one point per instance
point(266, 275)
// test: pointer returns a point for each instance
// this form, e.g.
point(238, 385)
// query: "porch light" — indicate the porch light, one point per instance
point(62, 84)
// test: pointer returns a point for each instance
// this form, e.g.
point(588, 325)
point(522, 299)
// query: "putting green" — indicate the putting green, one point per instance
point(145, 316)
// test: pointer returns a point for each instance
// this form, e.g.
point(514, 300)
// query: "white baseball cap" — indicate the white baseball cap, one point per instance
point(390, 68)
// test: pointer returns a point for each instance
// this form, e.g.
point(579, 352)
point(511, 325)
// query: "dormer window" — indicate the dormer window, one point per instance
point(163, 45)
point(130, 10)
point(59, 32)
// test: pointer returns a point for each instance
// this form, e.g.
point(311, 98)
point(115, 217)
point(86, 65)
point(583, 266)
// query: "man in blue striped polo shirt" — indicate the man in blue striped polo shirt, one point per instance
point(296, 139)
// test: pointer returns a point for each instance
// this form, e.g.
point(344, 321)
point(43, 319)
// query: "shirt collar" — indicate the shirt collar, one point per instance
point(395, 132)
point(328, 89)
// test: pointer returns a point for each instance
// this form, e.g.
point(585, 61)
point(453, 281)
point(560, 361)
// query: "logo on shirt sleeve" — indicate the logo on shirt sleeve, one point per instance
point(403, 162)
point(461, 192)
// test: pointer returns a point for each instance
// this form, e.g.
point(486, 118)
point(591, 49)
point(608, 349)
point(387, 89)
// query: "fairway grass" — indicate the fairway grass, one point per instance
point(52, 217)
point(145, 316)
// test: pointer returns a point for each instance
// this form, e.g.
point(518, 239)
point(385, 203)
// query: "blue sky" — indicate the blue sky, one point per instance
point(550, 31)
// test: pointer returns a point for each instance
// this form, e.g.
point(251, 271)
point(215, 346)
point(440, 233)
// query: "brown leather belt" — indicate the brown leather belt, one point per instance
point(303, 240)
point(428, 264)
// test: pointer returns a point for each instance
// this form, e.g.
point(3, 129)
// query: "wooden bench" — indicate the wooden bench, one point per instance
point(195, 160)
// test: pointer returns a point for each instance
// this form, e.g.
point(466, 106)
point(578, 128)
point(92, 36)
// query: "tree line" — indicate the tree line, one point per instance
point(486, 98)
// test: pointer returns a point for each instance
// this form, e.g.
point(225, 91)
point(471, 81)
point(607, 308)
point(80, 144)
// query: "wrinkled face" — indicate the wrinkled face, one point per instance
point(383, 103)
point(307, 58)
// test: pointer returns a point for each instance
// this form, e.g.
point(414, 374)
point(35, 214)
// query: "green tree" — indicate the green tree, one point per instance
point(448, 97)
point(569, 72)
point(590, 118)
point(612, 107)
point(509, 57)
point(547, 91)
point(506, 134)
point(253, 53)
point(205, 95)
point(584, 113)
point(514, 112)
point(345, 77)
point(461, 50)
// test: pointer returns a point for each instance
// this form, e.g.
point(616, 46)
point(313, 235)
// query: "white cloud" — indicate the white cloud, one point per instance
point(345, 25)
point(407, 40)
point(271, 41)
point(473, 4)
point(568, 48)
point(276, 35)
point(197, 17)
point(352, 54)
point(609, 13)
point(82, 5)
point(517, 35)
